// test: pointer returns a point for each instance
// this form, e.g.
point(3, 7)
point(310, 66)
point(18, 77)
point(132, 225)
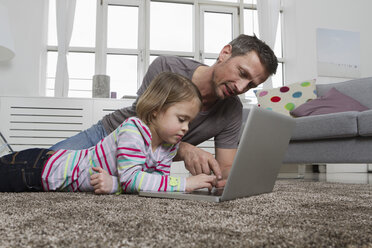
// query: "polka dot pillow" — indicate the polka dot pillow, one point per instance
point(286, 98)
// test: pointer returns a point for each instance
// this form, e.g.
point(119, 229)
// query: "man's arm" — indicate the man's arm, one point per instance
point(225, 158)
point(198, 161)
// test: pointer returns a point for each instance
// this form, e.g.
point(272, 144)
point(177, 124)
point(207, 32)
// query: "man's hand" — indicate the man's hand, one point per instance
point(221, 183)
point(198, 161)
point(101, 182)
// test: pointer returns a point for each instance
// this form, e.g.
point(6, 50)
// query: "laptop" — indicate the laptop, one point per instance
point(256, 165)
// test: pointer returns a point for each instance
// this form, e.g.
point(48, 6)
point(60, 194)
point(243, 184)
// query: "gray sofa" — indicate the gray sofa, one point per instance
point(344, 137)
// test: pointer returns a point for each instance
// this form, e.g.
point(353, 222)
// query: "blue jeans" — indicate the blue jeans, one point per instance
point(82, 140)
point(21, 171)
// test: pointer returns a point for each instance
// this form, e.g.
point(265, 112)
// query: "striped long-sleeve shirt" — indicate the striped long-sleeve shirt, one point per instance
point(125, 154)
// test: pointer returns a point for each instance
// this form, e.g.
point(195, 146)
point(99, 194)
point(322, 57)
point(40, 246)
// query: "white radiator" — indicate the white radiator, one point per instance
point(28, 122)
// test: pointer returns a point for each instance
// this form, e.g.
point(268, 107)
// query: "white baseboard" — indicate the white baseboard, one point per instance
point(358, 178)
point(347, 168)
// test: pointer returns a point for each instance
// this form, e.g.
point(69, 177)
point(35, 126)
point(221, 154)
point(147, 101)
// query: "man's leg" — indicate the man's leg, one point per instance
point(82, 140)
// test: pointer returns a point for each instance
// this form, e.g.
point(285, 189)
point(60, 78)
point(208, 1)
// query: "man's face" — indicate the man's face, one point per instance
point(234, 76)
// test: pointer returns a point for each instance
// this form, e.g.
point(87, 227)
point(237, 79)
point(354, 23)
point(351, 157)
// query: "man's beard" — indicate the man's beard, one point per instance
point(221, 88)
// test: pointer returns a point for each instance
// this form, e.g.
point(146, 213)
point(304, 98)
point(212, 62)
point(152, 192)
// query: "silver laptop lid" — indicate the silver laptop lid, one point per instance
point(260, 154)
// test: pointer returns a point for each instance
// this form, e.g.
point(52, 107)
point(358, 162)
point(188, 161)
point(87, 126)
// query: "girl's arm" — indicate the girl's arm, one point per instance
point(136, 179)
point(103, 183)
point(134, 173)
point(139, 176)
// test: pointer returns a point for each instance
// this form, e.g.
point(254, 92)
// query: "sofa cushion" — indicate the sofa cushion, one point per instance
point(333, 125)
point(332, 102)
point(359, 89)
point(365, 123)
point(286, 98)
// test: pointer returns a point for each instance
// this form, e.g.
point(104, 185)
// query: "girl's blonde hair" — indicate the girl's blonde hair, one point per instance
point(166, 89)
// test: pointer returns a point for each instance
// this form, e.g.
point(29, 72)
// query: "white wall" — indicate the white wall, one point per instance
point(303, 17)
point(23, 75)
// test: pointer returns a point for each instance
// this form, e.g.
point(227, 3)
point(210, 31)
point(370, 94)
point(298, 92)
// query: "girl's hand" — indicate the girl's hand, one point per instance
point(200, 181)
point(101, 182)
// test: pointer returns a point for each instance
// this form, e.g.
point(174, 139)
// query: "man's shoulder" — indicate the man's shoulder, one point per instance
point(175, 61)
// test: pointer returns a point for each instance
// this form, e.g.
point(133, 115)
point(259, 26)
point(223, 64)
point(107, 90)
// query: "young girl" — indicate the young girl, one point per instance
point(136, 156)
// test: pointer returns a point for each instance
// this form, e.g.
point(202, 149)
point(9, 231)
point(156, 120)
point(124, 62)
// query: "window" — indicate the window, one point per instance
point(121, 38)
point(251, 27)
point(218, 26)
point(80, 69)
point(122, 26)
point(123, 74)
point(81, 55)
point(166, 35)
point(122, 47)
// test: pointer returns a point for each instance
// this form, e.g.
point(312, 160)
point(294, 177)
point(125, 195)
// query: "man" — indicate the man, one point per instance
point(243, 64)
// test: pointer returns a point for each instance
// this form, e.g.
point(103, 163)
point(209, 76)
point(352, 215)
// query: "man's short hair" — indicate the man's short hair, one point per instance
point(244, 44)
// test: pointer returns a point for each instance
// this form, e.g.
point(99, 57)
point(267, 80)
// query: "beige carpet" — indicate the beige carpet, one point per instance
point(296, 214)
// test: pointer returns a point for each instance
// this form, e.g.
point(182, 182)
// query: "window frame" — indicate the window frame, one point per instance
point(101, 40)
point(215, 9)
point(143, 51)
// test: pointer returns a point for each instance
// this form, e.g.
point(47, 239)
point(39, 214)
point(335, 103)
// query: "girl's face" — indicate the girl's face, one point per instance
point(171, 125)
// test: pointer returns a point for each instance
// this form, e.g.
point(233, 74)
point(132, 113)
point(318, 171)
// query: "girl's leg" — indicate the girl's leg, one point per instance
point(21, 171)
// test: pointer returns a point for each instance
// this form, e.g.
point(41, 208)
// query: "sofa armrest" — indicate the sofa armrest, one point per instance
point(365, 123)
point(326, 126)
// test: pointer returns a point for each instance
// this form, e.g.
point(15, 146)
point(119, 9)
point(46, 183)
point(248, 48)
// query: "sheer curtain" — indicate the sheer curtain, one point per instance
point(65, 20)
point(268, 18)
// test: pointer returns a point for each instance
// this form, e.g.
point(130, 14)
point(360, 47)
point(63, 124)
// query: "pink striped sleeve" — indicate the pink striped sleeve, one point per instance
point(97, 155)
point(161, 184)
point(50, 167)
point(129, 149)
point(165, 184)
point(129, 155)
point(105, 157)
